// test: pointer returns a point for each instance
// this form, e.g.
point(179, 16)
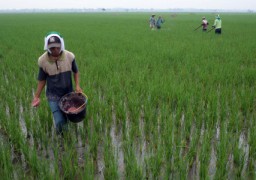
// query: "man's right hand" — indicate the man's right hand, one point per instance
point(35, 102)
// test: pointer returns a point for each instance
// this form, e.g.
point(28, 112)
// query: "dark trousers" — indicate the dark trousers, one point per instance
point(218, 31)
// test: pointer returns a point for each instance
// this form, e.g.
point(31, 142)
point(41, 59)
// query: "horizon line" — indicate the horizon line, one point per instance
point(128, 9)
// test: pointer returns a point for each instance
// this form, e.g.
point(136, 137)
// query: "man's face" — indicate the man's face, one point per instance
point(55, 51)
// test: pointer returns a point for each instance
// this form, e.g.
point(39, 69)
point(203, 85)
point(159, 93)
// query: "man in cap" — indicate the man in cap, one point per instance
point(217, 25)
point(56, 66)
point(204, 24)
point(152, 22)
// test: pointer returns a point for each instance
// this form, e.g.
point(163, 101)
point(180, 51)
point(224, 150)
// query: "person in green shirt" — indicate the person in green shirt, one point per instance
point(217, 25)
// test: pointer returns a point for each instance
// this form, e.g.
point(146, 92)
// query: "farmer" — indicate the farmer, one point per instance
point(204, 24)
point(217, 25)
point(159, 22)
point(152, 22)
point(56, 66)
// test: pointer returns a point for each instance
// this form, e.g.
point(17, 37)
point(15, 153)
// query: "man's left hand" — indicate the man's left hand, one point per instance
point(78, 89)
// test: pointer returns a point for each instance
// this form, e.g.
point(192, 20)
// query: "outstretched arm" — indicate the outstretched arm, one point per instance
point(40, 87)
point(214, 25)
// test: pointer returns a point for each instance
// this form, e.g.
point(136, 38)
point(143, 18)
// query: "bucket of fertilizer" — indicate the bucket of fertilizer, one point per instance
point(74, 106)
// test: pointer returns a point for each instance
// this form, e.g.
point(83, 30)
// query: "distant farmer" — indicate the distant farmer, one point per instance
point(56, 66)
point(217, 25)
point(204, 24)
point(159, 22)
point(152, 22)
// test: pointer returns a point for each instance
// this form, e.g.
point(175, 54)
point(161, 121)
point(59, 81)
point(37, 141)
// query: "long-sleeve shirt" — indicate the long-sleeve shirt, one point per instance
point(159, 22)
point(217, 23)
point(152, 21)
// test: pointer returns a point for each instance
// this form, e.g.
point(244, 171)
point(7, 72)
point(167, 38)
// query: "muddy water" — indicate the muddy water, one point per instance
point(127, 121)
point(27, 135)
point(80, 147)
point(193, 173)
point(100, 163)
point(182, 127)
point(116, 137)
point(230, 167)
point(22, 123)
point(7, 111)
point(140, 150)
point(244, 146)
point(6, 79)
point(213, 156)
point(212, 165)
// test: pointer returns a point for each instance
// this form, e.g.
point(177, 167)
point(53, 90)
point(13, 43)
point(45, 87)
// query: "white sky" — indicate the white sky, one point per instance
point(146, 4)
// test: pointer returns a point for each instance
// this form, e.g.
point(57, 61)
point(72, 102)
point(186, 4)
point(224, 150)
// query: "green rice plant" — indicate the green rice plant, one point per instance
point(251, 166)
point(110, 171)
point(222, 152)
point(167, 90)
point(5, 157)
point(88, 172)
point(153, 166)
point(238, 161)
point(132, 169)
point(69, 164)
point(93, 138)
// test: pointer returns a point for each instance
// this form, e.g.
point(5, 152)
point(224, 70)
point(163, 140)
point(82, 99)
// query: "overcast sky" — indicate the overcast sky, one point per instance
point(146, 4)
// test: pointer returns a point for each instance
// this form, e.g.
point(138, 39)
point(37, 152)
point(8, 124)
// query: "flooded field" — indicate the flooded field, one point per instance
point(174, 104)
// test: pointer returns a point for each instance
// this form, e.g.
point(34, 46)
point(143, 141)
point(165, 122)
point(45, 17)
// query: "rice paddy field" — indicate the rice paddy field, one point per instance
point(162, 104)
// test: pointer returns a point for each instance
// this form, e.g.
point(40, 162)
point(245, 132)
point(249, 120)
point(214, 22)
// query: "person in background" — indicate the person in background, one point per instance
point(152, 22)
point(204, 24)
point(217, 25)
point(159, 22)
point(56, 66)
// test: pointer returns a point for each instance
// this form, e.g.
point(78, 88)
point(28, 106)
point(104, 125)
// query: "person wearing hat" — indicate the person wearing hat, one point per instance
point(56, 66)
point(204, 24)
point(152, 22)
point(159, 22)
point(217, 25)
